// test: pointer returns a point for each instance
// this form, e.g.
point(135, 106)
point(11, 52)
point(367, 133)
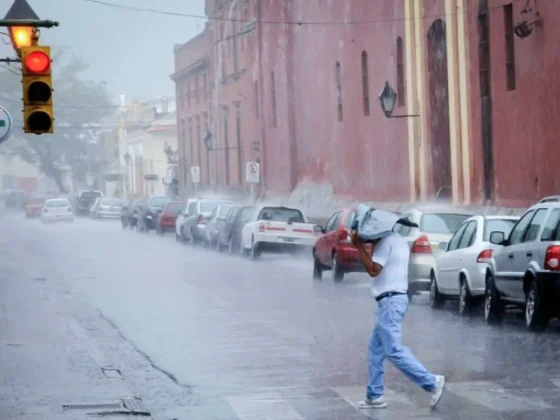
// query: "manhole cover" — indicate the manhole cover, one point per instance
point(111, 373)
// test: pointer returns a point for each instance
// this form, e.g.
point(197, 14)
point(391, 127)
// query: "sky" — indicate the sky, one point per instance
point(131, 51)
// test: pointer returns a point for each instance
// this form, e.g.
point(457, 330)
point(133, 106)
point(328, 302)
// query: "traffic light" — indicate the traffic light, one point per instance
point(38, 116)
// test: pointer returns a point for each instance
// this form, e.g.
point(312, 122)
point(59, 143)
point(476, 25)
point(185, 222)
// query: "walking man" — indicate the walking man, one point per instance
point(389, 268)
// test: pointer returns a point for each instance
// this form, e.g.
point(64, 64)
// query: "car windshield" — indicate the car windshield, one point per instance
point(159, 202)
point(441, 222)
point(281, 214)
point(350, 219)
point(209, 206)
point(224, 211)
point(174, 208)
point(497, 225)
point(90, 195)
point(111, 202)
point(57, 203)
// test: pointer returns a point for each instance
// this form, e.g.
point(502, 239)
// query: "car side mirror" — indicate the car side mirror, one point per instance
point(318, 229)
point(442, 246)
point(497, 238)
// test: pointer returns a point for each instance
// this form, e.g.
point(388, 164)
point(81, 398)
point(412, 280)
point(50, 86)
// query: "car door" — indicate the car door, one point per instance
point(446, 263)
point(505, 272)
point(322, 251)
point(524, 251)
point(463, 255)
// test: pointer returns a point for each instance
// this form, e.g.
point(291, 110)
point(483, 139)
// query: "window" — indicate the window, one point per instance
point(400, 73)
point(535, 225)
point(441, 223)
point(365, 82)
point(330, 223)
point(256, 89)
point(519, 229)
point(484, 49)
point(551, 231)
point(468, 235)
point(337, 220)
point(510, 46)
point(273, 96)
point(199, 142)
point(338, 80)
point(497, 225)
point(350, 219)
point(454, 242)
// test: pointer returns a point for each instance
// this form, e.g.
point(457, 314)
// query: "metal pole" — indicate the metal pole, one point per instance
point(8, 23)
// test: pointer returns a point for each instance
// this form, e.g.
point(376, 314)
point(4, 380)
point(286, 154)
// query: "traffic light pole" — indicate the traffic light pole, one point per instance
point(8, 23)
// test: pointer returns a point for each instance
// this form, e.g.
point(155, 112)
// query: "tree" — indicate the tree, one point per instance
point(79, 105)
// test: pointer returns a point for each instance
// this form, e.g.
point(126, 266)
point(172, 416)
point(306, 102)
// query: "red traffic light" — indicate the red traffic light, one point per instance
point(37, 62)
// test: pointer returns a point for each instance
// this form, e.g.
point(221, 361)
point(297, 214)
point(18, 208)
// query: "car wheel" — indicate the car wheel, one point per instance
point(493, 306)
point(436, 298)
point(336, 271)
point(317, 269)
point(230, 246)
point(535, 316)
point(465, 298)
point(256, 251)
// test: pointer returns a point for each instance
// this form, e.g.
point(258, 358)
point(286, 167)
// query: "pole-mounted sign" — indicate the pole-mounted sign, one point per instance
point(5, 124)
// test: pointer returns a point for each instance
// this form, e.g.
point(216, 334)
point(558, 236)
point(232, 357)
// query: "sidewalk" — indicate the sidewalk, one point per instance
point(46, 357)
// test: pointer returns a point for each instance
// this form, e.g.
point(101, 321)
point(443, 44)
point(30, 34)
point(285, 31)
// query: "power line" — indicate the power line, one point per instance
point(272, 22)
point(10, 70)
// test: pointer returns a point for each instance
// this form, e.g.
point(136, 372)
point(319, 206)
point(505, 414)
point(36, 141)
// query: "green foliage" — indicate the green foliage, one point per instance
point(77, 103)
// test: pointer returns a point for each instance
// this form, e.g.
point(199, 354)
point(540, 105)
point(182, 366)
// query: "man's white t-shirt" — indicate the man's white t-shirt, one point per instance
point(393, 253)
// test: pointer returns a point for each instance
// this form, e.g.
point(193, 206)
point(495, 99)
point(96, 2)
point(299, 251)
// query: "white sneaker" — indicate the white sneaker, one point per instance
point(437, 391)
point(378, 402)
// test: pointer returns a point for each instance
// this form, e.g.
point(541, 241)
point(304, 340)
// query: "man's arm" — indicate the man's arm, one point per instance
point(372, 268)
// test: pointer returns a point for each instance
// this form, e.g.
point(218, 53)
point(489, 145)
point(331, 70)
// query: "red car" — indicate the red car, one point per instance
point(334, 251)
point(168, 216)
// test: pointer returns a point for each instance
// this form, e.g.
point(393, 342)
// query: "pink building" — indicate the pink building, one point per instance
point(295, 85)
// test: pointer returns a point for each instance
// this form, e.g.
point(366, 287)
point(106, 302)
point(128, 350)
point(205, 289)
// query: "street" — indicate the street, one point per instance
point(200, 335)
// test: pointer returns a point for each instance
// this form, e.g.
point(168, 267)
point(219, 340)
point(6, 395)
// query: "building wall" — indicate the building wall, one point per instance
point(525, 124)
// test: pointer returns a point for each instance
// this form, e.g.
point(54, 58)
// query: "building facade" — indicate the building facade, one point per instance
point(476, 101)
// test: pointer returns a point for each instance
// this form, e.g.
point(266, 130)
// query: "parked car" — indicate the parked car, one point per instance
point(94, 207)
point(550, 199)
point(33, 207)
point(334, 250)
point(277, 229)
point(148, 212)
point(108, 208)
point(57, 209)
point(198, 214)
point(460, 271)
point(167, 217)
point(217, 217)
point(435, 225)
point(86, 198)
point(130, 212)
point(524, 270)
point(229, 231)
point(182, 217)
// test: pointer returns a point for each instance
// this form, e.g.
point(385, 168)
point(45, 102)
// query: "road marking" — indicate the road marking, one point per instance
point(495, 397)
point(270, 406)
point(353, 394)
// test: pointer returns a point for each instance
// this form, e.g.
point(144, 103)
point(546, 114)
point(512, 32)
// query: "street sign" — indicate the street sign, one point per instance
point(195, 174)
point(253, 172)
point(5, 124)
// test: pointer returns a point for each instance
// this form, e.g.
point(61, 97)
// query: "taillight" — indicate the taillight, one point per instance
point(345, 237)
point(421, 246)
point(484, 256)
point(552, 258)
point(200, 219)
point(261, 227)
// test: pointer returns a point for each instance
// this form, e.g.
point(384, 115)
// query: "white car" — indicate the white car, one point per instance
point(277, 229)
point(57, 209)
point(460, 271)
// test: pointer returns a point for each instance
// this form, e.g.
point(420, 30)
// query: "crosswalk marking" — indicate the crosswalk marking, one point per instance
point(270, 406)
point(495, 397)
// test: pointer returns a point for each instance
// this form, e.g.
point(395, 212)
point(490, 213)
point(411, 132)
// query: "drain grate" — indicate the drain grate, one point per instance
point(102, 406)
point(111, 373)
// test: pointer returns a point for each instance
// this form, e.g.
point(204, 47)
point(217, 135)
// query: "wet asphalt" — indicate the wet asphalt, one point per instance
point(207, 336)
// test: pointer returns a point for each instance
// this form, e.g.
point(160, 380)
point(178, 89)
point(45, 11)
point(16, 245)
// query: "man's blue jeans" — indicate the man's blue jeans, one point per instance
point(386, 344)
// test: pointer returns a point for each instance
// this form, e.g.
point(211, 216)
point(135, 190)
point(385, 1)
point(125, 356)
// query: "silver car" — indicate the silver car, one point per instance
point(193, 229)
point(435, 225)
point(108, 208)
point(460, 272)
